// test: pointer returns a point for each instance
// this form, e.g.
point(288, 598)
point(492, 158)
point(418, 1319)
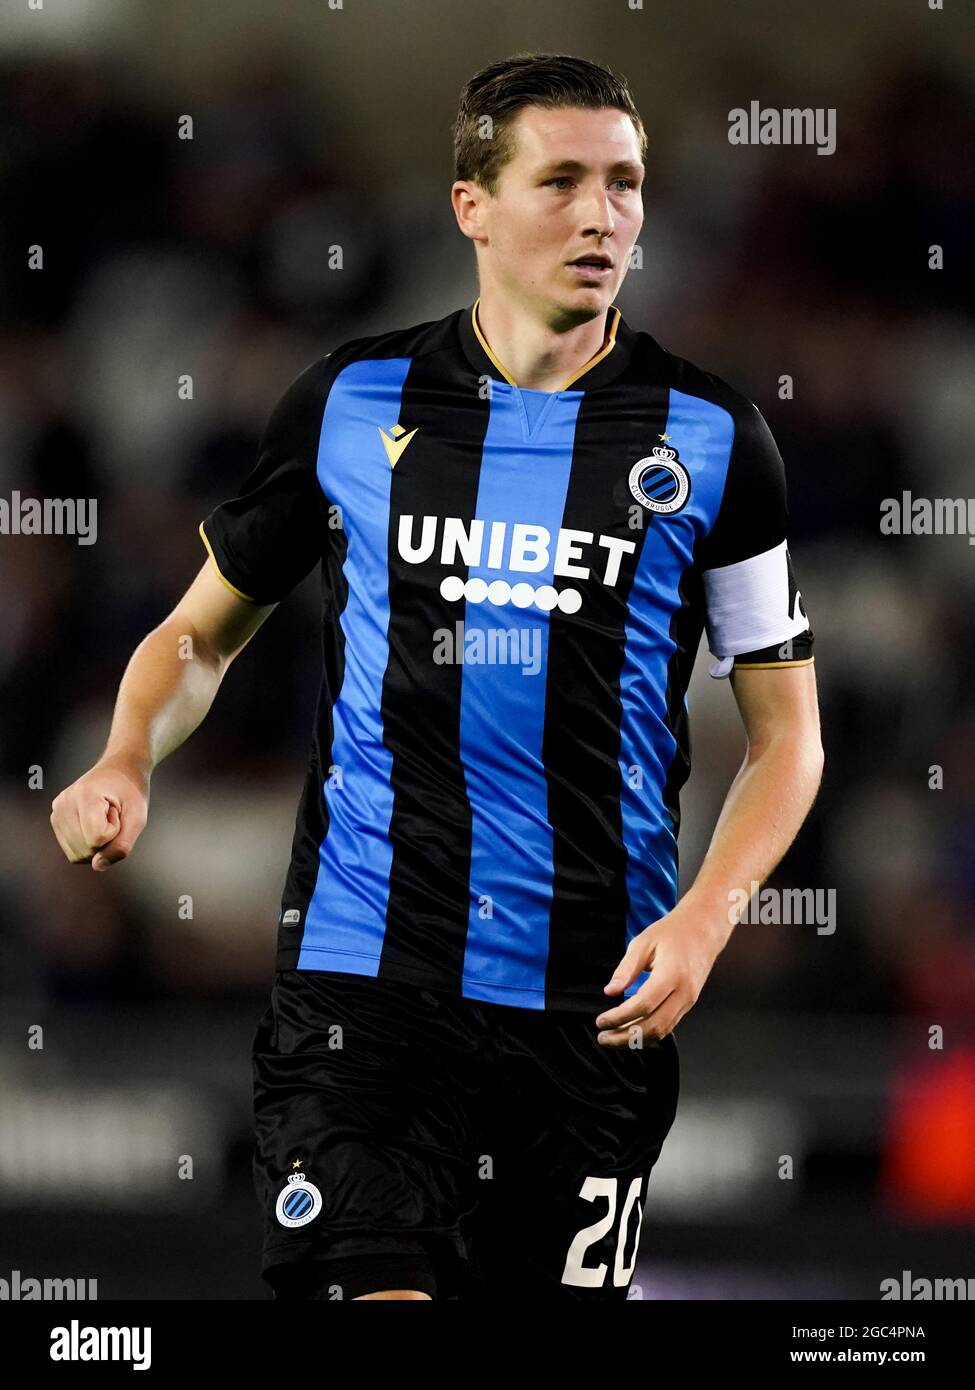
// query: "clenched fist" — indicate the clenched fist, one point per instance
point(99, 818)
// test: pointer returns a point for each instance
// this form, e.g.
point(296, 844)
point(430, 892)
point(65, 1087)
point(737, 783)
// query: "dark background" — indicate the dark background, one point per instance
point(163, 257)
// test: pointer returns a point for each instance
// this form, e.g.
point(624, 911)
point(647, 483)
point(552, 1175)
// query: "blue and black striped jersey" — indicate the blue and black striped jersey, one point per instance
point(514, 588)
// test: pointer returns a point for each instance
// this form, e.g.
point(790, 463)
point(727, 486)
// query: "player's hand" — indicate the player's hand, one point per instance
point(99, 818)
point(681, 951)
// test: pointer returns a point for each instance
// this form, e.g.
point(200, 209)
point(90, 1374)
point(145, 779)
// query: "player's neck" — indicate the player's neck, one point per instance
point(533, 355)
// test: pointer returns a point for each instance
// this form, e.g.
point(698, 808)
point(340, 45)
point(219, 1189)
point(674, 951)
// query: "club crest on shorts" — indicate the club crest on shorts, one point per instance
point(298, 1202)
point(660, 482)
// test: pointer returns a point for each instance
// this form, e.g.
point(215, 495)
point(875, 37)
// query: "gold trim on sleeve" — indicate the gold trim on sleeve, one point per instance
point(232, 587)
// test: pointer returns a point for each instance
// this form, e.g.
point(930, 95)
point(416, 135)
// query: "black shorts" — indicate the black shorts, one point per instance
point(407, 1138)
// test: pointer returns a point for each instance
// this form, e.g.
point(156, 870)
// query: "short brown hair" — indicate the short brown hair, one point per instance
point(502, 89)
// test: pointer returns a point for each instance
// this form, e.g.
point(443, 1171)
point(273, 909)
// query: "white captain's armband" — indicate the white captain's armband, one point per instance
point(755, 614)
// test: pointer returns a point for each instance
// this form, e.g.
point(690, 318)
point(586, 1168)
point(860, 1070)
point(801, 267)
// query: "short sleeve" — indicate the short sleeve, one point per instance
point(264, 541)
point(755, 615)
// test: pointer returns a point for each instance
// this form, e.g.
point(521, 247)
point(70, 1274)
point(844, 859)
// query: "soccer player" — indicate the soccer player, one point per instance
point(526, 513)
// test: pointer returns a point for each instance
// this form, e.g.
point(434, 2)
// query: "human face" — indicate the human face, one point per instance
point(571, 190)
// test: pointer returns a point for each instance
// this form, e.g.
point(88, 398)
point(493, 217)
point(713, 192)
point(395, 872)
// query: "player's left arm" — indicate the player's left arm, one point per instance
point(765, 806)
point(759, 632)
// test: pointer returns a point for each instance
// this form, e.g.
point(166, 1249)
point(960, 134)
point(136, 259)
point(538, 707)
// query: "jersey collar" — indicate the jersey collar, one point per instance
point(607, 364)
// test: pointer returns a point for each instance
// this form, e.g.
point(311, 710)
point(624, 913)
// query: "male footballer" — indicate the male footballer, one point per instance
point(525, 515)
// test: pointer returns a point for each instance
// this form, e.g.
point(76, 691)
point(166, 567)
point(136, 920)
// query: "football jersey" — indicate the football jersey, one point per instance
point(514, 588)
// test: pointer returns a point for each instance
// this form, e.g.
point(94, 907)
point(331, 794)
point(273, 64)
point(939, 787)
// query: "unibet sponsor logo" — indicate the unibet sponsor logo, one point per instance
point(518, 548)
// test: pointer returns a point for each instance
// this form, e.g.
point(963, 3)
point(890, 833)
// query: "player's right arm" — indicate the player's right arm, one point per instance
point(165, 693)
point(260, 545)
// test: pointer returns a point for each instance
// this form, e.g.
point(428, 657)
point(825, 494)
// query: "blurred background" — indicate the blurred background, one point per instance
point(316, 126)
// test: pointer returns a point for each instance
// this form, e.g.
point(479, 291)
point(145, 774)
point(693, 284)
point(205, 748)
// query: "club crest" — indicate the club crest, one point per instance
point(660, 482)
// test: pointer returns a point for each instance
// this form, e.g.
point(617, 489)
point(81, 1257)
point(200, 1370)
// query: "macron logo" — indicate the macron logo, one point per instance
point(394, 447)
